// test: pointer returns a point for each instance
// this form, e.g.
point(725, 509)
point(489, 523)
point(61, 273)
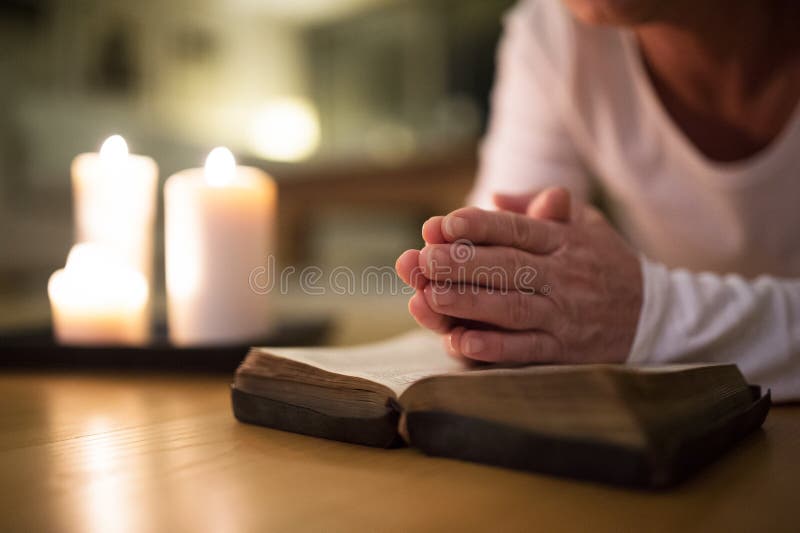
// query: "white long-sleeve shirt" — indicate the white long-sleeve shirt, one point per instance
point(573, 106)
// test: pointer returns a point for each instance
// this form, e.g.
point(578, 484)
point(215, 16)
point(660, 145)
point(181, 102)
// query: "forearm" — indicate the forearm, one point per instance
point(689, 317)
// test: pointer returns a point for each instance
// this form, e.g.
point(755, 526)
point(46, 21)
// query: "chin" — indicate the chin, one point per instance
point(616, 12)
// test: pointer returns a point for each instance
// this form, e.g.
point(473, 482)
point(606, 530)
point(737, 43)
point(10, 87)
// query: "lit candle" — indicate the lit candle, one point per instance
point(115, 202)
point(97, 299)
point(218, 228)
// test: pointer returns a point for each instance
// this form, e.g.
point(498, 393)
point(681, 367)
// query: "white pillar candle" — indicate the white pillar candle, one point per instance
point(115, 202)
point(218, 228)
point(97, 299)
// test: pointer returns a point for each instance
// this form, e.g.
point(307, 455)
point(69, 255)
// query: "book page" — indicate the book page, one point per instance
point(395, 363)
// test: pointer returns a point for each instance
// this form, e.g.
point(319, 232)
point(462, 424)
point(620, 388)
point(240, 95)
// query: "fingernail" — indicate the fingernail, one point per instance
point(455, 226)
point(443, 296)
point(451, 340)
point(427, 223)
point(425, 260)
point(473, 345)
point(437, 260)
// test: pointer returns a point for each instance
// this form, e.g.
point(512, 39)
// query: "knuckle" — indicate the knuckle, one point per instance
point(542, 348)
point(520, 231)
point(440, 256)
point(460, 255)
point(476, 219)
point(534, 347)
point(519, 309)
point(515, 264)
point(556, 351)
point(499, 345)
point(471, 213)
point(468, 211)
point(487, 270)
point(473, 299)
point(555, 237)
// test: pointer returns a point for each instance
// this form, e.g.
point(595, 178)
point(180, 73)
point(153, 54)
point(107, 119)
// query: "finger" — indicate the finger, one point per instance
point(552, 203)
point(407, 267)
point(451, 345)
point(503, 228)
point(453, 340)
point(432, 230)
point(506, 309)
point(516, 203)
point(499, 267)
point(493, 346)
point(448, 347)
point(427, 317)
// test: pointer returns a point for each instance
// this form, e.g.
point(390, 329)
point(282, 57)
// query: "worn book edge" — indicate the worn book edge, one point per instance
point(476, 440)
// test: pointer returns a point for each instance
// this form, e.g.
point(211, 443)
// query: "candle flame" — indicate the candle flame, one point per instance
point(90, 259)
point(114, 149)
point(220, 167)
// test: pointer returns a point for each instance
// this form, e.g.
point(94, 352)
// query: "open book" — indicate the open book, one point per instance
point(645, 426)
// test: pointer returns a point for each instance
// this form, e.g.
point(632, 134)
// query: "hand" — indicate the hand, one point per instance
point(552, 204)
point(592, 277)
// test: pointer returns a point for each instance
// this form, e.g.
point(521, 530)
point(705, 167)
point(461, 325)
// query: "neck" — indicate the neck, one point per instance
point(715, 45)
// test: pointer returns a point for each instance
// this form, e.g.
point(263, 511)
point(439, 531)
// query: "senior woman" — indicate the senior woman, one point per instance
point(684, 116)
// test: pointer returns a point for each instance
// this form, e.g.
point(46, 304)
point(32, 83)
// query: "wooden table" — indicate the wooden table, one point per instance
point(101, 452)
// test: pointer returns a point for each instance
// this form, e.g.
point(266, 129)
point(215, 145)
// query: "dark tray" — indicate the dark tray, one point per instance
point(37, 349)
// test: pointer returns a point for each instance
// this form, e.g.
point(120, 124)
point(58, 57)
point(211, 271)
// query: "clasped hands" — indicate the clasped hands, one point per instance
point(545, 279)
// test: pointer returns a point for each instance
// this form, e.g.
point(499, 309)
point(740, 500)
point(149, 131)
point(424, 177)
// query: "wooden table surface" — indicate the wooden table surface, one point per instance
point(101, 452)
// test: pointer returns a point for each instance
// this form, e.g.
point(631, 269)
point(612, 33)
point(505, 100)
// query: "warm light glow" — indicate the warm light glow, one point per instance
point(285, 130)
point(100, 456)
point(114, 151)
point(220, 167)
point(89, 259)
point(95, 280)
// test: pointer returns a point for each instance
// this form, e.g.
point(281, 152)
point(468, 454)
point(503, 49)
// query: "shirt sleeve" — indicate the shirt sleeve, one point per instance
point(527, 146)
point(688, 317)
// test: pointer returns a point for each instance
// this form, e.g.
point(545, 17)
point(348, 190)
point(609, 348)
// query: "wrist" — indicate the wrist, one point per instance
point(655, 300)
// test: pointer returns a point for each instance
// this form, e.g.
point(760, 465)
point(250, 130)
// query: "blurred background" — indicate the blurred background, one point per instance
point(366, 112)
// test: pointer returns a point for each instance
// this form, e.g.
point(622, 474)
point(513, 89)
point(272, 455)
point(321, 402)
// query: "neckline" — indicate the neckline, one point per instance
point(723, 173)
